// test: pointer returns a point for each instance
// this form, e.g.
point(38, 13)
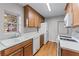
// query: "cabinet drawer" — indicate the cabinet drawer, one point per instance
point(19, 52)
point(16, 47)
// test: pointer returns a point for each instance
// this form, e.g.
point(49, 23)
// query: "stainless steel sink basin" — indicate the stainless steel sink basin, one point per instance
point(10, 42)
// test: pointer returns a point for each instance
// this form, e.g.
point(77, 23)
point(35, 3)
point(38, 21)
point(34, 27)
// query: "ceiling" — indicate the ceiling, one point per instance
point(56, 9)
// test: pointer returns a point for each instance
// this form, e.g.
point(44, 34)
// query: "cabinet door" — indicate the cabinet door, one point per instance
point(76, 14)
point(28, 50)
point(41, 40)
point(37, 20)
point(69, 8)
point(0, 53)
point(42, 19)
point(31, 18)
point(17, 53)
point(65, 52)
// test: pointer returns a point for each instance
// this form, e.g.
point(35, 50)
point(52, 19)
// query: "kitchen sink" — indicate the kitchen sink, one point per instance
point(10, 42)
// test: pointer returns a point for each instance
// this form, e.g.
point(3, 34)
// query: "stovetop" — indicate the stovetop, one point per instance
point(67, 38)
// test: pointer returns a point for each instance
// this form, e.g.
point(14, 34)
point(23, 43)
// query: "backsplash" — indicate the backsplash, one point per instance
point(69, 31)
point(6, 35)
point(26, 30)
point(75, 32)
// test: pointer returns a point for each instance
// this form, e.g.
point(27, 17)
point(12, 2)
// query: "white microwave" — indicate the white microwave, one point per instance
point(68, 20)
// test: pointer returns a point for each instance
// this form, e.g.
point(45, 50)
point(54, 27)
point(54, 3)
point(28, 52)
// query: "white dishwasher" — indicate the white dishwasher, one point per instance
point(36, 44)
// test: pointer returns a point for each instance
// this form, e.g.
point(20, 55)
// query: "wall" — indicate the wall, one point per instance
point(53, 27)
point(75, 32)
point(18, 10)
point(26, 30)
point(14, 8)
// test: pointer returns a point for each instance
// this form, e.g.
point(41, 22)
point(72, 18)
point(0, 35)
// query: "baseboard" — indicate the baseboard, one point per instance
point(52, 40)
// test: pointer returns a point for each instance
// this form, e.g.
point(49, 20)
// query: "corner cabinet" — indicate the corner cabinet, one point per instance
point(31, 17)
point(73, 10)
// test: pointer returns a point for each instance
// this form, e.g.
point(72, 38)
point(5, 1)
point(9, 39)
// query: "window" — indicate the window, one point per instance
point(10, 23)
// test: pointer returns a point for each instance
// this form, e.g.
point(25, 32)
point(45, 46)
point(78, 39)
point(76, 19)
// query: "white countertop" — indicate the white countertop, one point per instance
point(69, 45)
point(74, 46)
point(6, 43)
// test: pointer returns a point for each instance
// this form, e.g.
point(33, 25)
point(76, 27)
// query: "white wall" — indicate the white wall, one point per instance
point(16, 9)
point(52, 27)
point(11, 8)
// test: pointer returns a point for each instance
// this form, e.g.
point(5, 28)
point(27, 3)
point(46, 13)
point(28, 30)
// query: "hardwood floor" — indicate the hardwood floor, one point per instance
point(49, 49)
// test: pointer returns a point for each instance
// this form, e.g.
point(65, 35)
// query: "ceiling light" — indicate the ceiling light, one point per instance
point(48, 6)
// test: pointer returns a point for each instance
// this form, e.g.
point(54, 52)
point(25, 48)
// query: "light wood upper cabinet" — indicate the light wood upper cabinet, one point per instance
point(68, 8)
point(32, 17)
point(73, 10)
point(76, 14)
point(37, 21)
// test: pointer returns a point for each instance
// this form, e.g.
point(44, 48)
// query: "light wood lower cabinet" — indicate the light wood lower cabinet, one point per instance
point(0, 53)
point(41, 40)
point(28, 50)
point(19, 49)
point(19, 52)
point(65, 52)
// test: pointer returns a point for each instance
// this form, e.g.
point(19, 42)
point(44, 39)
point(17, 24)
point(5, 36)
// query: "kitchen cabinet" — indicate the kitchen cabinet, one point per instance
point(73, 10)
point(19, 52)
point(28, 50)
point(31, 17)
point(41, 40)
point(65, 52)
point(0, 53)
point(19, 49)
point(75, 14)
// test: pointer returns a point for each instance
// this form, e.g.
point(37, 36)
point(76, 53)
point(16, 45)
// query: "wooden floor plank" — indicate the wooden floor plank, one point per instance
point(49, 49)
